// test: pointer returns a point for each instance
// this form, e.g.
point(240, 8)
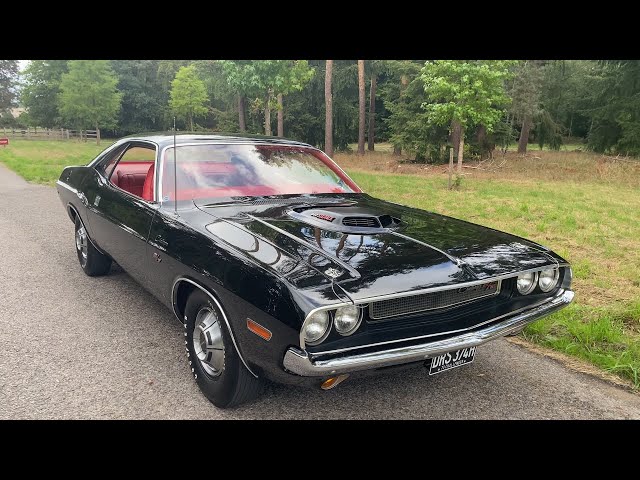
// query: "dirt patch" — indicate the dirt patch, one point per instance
point(574, 364)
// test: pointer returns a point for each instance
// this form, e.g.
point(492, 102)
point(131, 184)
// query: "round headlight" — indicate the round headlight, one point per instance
point(316, 327)
point(346, 319)
point(527, 282)
point(548, 279)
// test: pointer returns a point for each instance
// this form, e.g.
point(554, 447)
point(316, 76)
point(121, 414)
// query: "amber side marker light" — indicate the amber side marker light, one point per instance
point(259, 330)
point(333, 382)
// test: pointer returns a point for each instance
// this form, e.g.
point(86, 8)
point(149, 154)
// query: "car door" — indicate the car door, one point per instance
point(119, 217)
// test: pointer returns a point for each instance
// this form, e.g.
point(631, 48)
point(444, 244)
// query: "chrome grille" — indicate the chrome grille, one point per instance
point(395, 307)
point(361, 222)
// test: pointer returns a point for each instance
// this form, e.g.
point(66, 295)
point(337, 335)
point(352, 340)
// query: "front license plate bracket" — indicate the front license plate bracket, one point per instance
point(449, 360)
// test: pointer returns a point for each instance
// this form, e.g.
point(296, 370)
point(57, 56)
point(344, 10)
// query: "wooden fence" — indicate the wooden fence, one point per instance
point(47, 133)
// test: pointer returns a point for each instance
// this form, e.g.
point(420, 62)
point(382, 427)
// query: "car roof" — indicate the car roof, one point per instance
point(164, 139)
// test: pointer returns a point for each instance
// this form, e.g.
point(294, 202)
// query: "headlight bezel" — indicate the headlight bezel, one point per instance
point(327, 330)
point(532, 286)
point(355, 326)
point(556, 279)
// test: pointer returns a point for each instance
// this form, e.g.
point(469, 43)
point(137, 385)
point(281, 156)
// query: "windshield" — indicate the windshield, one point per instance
point(211, 171)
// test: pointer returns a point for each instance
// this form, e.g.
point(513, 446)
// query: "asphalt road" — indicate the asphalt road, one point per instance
point(78, 347)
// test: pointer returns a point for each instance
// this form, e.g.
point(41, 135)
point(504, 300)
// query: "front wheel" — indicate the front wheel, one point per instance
point(93, 262)
point(214, 361)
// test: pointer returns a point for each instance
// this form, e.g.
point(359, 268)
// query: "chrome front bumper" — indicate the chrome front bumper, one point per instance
point(299, 362)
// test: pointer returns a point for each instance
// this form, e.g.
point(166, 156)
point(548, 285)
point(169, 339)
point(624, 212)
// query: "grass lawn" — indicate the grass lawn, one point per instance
point(41, 161)
point(583, 206)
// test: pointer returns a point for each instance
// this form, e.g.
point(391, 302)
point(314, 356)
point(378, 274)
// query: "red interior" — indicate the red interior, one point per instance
point(138, 178)
point(147, 188)
point(131, 177)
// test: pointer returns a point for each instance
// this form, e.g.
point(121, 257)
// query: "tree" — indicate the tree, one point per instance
point(566, 94)
point(361, 104)
point(8, 81)
point(525, 95)
point(265, 80)
point(88, 95)
point(398, 74)
point(280, 115)
point(465, 93)
point(372, 112)
point(612, 104)
point(41, 90)
point(144, 100)
point(188, 95)
point(328, 100)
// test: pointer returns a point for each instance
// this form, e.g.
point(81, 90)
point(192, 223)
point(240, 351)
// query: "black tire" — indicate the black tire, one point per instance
point(95, 263)
point(231, 384)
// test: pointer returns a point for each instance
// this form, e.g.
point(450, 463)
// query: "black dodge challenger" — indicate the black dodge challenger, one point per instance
point(280, 267)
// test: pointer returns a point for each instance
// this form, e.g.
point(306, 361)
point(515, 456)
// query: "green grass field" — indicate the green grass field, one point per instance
point(42, 161)
point(584, 207)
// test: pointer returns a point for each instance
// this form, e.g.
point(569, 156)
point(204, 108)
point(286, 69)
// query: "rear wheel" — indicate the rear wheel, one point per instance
point(93, 262)
point(214, 361)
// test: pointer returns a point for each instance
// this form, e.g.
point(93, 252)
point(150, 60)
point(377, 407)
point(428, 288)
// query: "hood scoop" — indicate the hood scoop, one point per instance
point(351, 219)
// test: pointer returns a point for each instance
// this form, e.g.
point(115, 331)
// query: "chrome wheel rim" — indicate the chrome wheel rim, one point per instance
point(208, 343)
point(81, 244)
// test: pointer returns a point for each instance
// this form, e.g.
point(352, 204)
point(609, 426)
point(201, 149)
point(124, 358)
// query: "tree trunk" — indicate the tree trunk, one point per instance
point(454, 136)
point(241, 113)
point(461, 150)
point(191, 122)
point(361, 100)
point(328, 104)
point(481, 140)
point(372, 114)
point(524, 135)
point(267, 114)
point(450, 167)
point(280, 116)
point(404, 83)
point(97, 135)
point(570, 124)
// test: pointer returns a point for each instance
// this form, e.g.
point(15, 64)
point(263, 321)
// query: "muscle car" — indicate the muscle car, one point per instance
point(281, 268)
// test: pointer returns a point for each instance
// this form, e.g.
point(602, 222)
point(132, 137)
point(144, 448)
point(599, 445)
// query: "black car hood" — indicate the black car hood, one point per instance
point(417, 250)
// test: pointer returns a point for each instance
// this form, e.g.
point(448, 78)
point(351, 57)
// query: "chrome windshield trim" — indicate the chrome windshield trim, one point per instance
point(301, 363)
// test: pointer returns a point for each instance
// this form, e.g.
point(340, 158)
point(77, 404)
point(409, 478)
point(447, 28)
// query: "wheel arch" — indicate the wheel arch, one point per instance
point(74, 215)
point(72, 212)
point(182, 288)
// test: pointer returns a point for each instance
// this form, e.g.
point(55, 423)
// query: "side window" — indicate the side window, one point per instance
point(106, 165)
point(131, 172)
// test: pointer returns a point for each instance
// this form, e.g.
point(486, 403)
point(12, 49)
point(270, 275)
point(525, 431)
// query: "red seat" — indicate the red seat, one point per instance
point(130, 176)
point(147, 188)
point(131, 182)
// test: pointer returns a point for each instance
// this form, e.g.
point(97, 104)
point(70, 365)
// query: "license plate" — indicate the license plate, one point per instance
point(450, 360)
